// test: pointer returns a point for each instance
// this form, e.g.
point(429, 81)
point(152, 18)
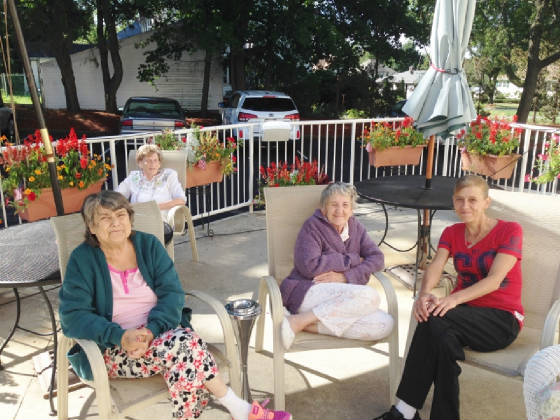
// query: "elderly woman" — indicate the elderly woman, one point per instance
point(483, 312)
point(121, 290)
point(152, 182)
point(327, 290)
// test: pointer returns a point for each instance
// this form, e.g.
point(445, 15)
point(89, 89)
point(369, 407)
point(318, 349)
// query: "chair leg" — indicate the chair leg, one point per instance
point(62, 378)
point(53, 325)
point(192, 235)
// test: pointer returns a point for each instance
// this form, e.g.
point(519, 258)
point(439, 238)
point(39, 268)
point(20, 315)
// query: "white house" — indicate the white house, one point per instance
point(183, 82)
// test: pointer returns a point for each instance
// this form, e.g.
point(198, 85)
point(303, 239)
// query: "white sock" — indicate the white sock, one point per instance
point(238, 408)
point(406, 410)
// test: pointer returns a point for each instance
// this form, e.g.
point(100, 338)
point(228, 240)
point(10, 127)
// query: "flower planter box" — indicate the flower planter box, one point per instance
point(43, 207)
point(396, 155)
point(496, 167)
point(212, 173)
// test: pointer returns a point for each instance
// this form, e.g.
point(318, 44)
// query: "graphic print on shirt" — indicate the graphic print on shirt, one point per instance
point(469, 274)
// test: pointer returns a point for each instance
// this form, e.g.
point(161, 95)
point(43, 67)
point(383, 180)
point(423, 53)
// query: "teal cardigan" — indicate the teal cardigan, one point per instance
point(86, 297)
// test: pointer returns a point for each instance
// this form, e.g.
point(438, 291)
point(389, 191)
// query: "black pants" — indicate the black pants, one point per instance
point(167, 233)
point(436, 346)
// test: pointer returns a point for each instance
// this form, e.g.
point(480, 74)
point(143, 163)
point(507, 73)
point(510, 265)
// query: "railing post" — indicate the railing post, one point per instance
point(251, 169)
point(113, 154)
point(352, 151)
point(526, 143)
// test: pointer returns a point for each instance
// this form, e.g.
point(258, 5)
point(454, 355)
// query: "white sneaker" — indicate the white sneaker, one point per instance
point(288, 334)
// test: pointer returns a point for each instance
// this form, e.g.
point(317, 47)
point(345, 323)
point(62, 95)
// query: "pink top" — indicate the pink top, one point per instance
point(133, 299)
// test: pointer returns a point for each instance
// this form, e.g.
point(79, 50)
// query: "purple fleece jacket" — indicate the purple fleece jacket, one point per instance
point(319, 249)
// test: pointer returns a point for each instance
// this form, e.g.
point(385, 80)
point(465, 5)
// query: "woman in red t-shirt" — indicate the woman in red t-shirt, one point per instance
point(483, 312)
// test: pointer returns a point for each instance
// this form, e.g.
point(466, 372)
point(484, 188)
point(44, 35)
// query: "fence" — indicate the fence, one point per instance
point(336, 146)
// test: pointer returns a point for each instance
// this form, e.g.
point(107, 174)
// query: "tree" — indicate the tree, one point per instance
point(58, 24)
point(540, 38)
point(107, 42)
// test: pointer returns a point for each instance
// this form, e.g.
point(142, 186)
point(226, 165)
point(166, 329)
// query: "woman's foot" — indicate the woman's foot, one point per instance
point(258, 412)
point(288, 334)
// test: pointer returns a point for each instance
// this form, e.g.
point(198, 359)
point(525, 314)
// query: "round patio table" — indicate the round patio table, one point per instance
point(29, 259)
point(409, 191)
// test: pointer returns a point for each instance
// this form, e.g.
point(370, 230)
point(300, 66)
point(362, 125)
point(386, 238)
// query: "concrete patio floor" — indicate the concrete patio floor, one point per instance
point(321, 384)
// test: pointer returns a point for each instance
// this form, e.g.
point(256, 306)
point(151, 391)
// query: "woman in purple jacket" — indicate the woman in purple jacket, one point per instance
point(327, 290)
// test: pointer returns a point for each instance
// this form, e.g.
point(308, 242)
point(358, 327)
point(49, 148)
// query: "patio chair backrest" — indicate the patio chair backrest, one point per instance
point(539, 216)
point(287, 208)
point(172, 159)
point(69, 229)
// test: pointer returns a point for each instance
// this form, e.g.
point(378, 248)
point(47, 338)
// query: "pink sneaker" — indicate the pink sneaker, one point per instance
point(258, 412)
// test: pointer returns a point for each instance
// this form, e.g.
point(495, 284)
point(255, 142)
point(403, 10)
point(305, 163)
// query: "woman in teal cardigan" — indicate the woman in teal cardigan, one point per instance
point(121, 290)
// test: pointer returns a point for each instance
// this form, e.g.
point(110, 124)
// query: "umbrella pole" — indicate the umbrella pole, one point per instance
point(37, 105)
point(430, 163)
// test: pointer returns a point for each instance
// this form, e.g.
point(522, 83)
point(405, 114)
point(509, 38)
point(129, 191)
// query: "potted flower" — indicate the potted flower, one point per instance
point(487, 147)
point(548, 163)
point(287, 175)
point(167, 140)
point(209, 158)
point(26, 180)
point(390, 145)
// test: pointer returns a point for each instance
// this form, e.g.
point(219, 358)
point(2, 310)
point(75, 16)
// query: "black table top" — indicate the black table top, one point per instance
point(409, 191)
point(28, 255)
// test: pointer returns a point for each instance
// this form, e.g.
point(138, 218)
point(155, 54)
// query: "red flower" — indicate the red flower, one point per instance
point(83, 162)
point(31, 196)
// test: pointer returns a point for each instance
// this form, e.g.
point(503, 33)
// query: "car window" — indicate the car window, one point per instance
point(153, 108)
point(269, 104)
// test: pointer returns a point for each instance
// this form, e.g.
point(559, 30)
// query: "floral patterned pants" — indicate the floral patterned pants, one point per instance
point(182, 358)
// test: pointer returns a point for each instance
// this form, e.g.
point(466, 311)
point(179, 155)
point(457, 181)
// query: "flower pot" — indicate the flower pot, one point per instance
point(396, 155)
point(72, 198)
point(496, 167)
point(212, 173)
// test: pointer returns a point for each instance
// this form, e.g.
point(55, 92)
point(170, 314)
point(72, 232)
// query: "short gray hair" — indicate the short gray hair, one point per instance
point(341, 188)
point(107, 199)
point(148, 149)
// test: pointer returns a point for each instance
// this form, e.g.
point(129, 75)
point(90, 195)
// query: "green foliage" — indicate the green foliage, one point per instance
point(168, 141)
point(382, 135)
point(549, 162)
point(490, 137)
point(353, 113)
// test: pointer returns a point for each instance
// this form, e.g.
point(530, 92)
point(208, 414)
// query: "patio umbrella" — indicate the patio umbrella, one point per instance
point(442, 102)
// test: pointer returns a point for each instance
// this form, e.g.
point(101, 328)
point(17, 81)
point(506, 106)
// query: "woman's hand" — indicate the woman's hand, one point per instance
point(424, 306)
point(135, 341)
point(330, 277)
point(445, 304)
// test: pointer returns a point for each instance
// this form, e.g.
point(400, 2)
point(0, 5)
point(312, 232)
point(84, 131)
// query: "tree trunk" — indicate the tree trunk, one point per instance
point(206, 83)
point(64, 62)
point(108, 42)
point(237, 62)
point(534, 64)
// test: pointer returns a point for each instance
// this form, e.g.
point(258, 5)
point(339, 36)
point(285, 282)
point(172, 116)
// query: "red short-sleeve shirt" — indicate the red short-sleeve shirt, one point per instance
point(473, 264)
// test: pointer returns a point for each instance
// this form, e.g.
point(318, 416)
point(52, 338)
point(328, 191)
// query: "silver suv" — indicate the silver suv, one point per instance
point(259, 106)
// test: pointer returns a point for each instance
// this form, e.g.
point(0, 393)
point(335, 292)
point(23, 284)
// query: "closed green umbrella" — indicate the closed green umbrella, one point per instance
point(442, 102)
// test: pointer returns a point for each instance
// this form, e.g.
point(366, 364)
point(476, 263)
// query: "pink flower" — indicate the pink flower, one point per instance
point(542, 156)
point(527, 178)
point(369, 148)
point(201, 164)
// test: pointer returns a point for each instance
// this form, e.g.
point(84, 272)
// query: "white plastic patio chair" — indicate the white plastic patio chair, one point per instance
point(178, 215)
point(539, 216)
point(286, 210)
point(543, 370)
point(128, 394)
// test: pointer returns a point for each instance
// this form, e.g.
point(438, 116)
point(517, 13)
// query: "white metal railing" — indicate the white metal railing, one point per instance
point(335, 144)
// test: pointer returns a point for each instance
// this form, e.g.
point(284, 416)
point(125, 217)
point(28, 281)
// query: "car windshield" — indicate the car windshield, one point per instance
point(153, 108)
point(269, 104)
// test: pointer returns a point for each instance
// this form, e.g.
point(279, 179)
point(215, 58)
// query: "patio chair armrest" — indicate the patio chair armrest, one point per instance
point(99, 371)
point(176, 218)
point(230, 342)
point(392, 303)
point(551, 325)
point(269, 287)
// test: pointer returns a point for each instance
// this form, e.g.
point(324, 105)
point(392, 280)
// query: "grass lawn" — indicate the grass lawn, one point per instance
point(18, 99)
point(508, 109)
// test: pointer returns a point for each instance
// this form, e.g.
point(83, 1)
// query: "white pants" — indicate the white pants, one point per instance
point(347, 310)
